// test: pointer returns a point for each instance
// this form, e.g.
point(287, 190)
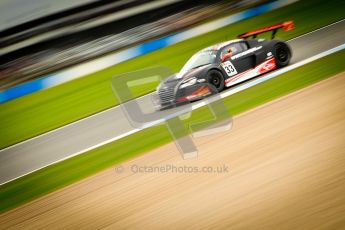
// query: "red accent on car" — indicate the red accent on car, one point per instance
point(199, 92)
point(182, 99)
point(226, 56)
point(267, 66)
point(263, 67)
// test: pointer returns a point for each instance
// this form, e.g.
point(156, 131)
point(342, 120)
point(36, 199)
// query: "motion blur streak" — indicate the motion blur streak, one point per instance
point(93, 66)
point(286, 163)
point(36, 153)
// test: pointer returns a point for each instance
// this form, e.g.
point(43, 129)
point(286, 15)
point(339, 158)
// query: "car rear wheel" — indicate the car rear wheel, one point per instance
point(282, 54)
point(216, 79)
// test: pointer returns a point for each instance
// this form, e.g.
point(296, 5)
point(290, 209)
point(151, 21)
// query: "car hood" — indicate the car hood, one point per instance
point(181, 76)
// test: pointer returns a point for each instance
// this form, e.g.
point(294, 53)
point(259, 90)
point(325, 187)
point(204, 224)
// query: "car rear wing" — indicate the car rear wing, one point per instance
point(286, 26)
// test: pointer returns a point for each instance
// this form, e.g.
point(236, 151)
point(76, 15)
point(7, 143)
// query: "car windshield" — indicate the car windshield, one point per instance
point(200, 59)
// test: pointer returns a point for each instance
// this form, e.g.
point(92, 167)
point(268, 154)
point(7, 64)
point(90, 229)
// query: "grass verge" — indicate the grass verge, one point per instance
point(46, 110)
point(59, 175)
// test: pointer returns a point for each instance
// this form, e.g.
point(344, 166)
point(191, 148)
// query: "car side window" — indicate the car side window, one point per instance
point(236, 48)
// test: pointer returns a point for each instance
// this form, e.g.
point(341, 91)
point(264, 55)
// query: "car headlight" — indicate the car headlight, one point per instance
point(188, 82)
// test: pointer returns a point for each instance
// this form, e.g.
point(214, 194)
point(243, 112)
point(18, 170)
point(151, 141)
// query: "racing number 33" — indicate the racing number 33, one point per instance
point(229, 68)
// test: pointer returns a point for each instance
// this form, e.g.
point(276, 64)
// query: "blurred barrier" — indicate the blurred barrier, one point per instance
point(33, 62)
point(81, 70)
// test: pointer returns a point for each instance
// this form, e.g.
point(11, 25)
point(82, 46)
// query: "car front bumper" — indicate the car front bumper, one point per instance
point(168, 98)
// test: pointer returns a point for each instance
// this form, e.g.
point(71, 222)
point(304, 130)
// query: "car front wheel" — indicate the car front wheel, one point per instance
point(216, 79)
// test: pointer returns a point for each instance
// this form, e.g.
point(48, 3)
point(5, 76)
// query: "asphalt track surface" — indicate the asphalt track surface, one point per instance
point(80, 136)
point(285, 164)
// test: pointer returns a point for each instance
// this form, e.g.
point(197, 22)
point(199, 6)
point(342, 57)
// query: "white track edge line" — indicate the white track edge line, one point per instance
point(317, 29)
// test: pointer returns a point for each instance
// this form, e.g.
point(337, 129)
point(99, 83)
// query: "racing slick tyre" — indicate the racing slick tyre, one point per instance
point(282, 53)
point(215, 78)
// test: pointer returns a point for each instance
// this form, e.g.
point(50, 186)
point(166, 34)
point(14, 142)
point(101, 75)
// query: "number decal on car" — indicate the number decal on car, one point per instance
point(229, 68)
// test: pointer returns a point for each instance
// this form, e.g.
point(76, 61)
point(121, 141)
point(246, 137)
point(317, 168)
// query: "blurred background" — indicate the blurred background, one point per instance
point(38, 38)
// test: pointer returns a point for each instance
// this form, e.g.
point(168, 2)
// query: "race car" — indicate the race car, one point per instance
point(223, 65)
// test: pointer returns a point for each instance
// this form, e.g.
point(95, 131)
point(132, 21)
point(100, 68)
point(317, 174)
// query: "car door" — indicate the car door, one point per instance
point(242, 59)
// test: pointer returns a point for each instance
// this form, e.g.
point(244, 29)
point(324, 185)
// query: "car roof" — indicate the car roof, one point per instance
point(221, 45)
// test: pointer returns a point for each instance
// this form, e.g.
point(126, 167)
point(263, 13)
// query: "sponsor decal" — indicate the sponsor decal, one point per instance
point(229, 68)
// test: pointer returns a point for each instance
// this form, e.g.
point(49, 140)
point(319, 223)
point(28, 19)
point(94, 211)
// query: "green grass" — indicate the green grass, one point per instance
point(59, 175)
point(40, 112)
